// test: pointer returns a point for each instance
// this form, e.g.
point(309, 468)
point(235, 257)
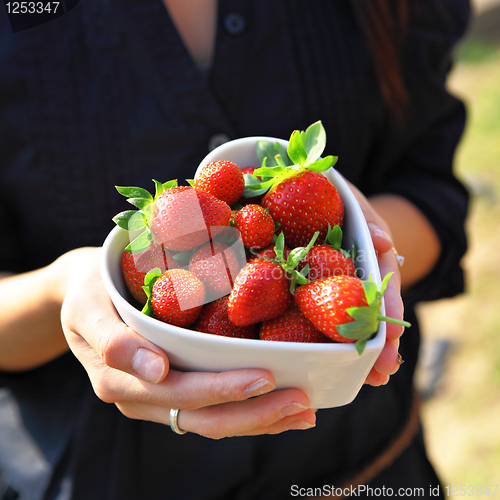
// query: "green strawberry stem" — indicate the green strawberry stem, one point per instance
point(393, 320)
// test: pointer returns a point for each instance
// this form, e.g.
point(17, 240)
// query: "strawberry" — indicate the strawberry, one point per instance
point(222, 179)
point(213, 319)
point(182, 216)
point(216, 265)
point(263, 288)
point(255, 199)
point(330, 259)
point(178, 217)
point(344, 308)
point(175, 296)
point(261, 291)
point(255, 225)
point(298, 196)
point(135, 266)
point(292, 326)
point(325, 261)
point(304, 204)
point(248, 170)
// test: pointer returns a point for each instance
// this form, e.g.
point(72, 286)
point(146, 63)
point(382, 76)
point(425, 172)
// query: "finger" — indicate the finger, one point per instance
point(268, 414)
point(388, 361)
point(387, 364)
point(394, 307)
point(376, 379)
point(190, 390)
point(382, 242)
point(379, 230)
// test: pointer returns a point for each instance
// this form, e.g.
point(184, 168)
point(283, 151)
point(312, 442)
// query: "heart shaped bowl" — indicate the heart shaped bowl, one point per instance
point(331, 374)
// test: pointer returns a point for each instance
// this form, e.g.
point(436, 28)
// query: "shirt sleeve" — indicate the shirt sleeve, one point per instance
point(415, 158)
point(11, 142)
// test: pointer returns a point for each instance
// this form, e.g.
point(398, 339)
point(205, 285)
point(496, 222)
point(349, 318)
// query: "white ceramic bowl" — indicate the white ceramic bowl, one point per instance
point(330, 374)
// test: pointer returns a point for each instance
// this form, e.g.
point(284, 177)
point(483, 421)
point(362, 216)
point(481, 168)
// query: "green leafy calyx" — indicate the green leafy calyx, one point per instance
point(292, 261)
point(138, 220)
point(303, 153)
point(334, 238)
point(367, 318)
point(149, 281)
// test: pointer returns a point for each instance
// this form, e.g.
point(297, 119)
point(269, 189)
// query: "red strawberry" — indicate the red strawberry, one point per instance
point(263, 288)
point(184, 218)
point(255, 225)
point(292, 326)
point(179, 218)
point(248, 170)
point(222, 179)
point(175, 296)
point(216, 265)
point(304, 204)
point(330, 259)
point(298, 196)
point(344, 308)
point(135, 266)
point(325, 261)
point(213, 319)
point(261, 291)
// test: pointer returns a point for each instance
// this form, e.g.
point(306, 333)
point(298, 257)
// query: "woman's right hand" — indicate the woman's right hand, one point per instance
point(134, 374)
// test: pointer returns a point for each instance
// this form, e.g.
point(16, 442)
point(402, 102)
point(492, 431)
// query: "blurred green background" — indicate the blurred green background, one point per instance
point(460, 370)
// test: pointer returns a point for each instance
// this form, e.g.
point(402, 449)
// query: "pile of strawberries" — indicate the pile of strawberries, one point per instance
point(251, 252)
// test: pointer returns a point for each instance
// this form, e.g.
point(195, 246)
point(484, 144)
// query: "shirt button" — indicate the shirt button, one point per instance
point(217, 140)
point(234, 23)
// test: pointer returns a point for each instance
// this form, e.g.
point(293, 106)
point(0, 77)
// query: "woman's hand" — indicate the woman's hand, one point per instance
point(129, 371)
point(389, 360)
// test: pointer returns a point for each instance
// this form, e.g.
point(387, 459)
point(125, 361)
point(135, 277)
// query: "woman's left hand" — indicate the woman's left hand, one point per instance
point(389, 360)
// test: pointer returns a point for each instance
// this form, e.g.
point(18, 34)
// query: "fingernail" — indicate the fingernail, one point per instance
point(300, 425)
point(292, 409)
point(260, 386)
point(148, 365)
point(377, 231)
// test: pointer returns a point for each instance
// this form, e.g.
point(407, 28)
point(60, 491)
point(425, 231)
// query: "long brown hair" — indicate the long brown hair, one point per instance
point(385, 25)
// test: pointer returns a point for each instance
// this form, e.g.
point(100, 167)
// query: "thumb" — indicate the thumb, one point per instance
point(112, 341)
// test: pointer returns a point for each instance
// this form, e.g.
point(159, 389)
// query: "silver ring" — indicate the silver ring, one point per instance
point(173, 422)
point(400, 259)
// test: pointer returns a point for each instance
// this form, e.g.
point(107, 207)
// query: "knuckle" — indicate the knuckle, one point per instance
point(104, 391)
point(110, 350)
point(223, 391)
point(180, 400)
point(262, 420)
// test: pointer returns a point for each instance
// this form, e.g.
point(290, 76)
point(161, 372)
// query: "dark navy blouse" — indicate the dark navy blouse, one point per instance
point(108, 95)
